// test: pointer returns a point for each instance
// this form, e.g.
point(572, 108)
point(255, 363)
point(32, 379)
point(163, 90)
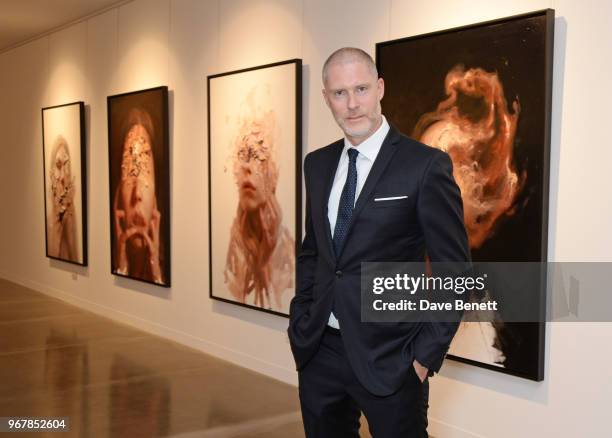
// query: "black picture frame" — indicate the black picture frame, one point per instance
point(295, 92)
point(519, 50)
point(120, 111)
point(76, 122)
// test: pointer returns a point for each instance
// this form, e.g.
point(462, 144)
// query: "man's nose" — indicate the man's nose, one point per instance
point(352, 102)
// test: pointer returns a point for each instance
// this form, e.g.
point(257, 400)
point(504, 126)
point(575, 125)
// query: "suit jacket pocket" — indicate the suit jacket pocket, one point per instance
point(399, 201)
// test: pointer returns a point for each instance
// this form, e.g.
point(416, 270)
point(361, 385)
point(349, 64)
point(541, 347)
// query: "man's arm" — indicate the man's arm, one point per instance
point(440, 211)
point(306, 260)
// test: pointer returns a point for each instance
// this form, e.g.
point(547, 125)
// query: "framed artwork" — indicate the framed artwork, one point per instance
point(254, 181)
point(482, 93)
point(64, 171)
point(139, 175)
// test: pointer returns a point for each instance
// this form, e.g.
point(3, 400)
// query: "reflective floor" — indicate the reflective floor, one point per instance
point(115, 381)
point(112, 380)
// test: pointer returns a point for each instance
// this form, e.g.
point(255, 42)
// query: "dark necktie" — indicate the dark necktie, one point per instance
point(347, 202)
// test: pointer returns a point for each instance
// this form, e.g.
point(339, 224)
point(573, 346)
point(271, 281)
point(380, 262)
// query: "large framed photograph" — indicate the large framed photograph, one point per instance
point(482, 93)
point(139, 175)
point(254, 180)
point(64, 171)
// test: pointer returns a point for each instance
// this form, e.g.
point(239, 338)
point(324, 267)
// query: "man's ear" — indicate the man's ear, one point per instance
point(381, 88)
point(325, 98)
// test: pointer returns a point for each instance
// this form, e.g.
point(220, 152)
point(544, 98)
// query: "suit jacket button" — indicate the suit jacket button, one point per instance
point(338, 273)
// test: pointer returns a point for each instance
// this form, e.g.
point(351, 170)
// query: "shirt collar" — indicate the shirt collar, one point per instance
point(370, 147)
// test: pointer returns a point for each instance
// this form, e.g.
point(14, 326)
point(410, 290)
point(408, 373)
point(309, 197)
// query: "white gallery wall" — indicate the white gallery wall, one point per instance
point(147, 43)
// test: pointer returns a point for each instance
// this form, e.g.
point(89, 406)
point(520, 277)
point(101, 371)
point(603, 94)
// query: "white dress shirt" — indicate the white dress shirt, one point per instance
point(368, 151)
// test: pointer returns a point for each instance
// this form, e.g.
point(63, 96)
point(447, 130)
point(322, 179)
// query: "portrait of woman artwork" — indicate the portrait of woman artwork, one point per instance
point(139, 185)
point(65, 182)
point(254, 187)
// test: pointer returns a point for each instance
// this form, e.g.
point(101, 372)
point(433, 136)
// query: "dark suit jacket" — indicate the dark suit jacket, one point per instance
point(429, 221)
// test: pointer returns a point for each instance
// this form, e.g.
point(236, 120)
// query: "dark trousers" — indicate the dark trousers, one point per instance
point(332, 399)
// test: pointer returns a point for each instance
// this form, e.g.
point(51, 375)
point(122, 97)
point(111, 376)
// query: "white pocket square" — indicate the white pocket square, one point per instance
point(390, 198)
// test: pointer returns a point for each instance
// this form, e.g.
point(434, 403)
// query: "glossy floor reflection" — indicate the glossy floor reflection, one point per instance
point(115, 381)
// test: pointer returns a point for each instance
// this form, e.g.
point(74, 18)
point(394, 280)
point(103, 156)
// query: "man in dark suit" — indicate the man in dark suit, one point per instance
point(375, 195)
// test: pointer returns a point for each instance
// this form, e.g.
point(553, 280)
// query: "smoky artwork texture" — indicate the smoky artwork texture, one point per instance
point(139, 185)
point(253, 192)
point(64, 182)
point(481, 94)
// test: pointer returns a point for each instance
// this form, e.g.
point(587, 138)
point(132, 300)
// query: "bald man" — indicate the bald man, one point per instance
point(374, 195)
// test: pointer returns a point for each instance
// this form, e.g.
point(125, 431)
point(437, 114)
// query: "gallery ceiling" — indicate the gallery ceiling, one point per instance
point(22, 20)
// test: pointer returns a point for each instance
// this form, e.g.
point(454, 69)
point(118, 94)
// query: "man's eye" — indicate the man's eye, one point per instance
point(339, 93)
point(361, 89)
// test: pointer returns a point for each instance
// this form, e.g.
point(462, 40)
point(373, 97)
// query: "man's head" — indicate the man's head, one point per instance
point(353, 91)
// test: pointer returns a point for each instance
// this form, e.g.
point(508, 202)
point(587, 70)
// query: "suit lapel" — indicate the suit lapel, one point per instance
point(329, 174)
point(385, 154)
